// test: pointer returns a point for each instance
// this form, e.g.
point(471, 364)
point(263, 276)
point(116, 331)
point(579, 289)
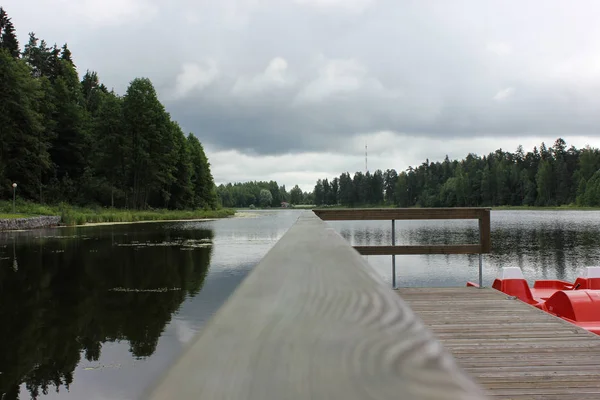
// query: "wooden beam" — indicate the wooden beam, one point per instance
point(400, 213)
point(480, 213)
point(313, 320)
point(485, 233)
point(425, 249)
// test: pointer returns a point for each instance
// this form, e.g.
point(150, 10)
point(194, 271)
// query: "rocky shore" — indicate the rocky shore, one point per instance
point(28, 223)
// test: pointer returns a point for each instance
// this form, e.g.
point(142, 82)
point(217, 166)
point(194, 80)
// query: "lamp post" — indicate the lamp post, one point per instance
point(14, 185)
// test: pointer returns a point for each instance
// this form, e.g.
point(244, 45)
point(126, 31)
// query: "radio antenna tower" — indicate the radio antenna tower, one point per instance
point(366, 165)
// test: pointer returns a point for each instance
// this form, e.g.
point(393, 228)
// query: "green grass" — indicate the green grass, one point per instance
point(14, 216)
point(79, 215)
point(26, 208)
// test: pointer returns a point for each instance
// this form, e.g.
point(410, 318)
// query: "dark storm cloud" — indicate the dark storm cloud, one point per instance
point(274, 76)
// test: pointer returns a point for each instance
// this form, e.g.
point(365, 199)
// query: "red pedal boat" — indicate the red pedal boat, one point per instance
point(577, 303)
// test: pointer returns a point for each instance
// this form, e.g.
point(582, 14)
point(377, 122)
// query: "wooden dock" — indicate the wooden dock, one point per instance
point(512, 349)
point(314, 321)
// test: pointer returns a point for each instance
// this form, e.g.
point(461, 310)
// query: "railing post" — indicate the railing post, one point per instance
point(480, 270)
point(393, 255)
point(482, 214)
point(485, 241)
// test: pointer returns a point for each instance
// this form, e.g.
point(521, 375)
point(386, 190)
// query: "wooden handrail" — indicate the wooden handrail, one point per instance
point(314, 321)
point(425, 249)
point(363, 214)
point(338, 214)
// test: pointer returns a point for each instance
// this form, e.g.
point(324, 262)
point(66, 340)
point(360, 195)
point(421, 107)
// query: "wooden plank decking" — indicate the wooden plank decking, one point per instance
point(512, 349)
point(314, 321)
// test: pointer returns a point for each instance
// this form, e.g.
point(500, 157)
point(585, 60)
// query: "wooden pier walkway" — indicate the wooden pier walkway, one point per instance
point(512, 349)
point(314, 321)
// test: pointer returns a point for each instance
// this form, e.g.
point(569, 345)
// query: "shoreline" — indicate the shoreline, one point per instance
point(238, 214)
point(29, 223)
point(81, 219)
point(140, 222)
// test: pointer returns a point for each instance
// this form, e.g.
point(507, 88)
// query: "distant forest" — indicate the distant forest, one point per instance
point(261, 194)
point(66, 140)
point(548, 176)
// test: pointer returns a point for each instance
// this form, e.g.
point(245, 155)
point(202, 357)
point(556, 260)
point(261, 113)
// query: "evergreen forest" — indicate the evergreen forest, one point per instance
point(72, 140)
point(548, 176)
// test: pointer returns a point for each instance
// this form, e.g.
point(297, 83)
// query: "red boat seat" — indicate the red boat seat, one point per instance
point(515, 287)
point(589, 280)
point(511, 282)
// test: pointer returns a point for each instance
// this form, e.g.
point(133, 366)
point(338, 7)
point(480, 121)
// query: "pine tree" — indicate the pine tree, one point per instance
point(43, 60)
point(402, 191)
point(8, 37)
point(334, 193)
point(486, 186)
point(319, 192)
point(182, 191)
point(205, 194)
point(20, 127)
point(92, 91)
point(152, 150)
point(111, 150)
point(70, 144)
point(346, 190)
point(275, 194)
point(591, 197)
point(377, 188)
point(326, 191)
point(390, 177)
point(65, 54)
point(545, 183)
point(296, 195)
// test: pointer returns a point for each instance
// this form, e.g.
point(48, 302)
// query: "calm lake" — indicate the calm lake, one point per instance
point(99, 312)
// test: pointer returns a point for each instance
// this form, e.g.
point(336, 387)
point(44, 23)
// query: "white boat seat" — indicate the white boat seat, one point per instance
point(511, 273)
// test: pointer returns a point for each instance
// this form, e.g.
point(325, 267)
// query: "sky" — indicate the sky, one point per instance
point(293, 90)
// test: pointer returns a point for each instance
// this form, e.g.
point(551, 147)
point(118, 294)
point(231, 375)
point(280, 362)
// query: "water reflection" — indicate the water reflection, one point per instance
point(63, 296)
point(77, 299)
point(544, 244)
point(556, 250)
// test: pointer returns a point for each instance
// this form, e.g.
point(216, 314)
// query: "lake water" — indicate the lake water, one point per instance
point(99, 312)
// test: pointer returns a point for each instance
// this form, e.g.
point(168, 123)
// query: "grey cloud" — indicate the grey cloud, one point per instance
point(424, 68)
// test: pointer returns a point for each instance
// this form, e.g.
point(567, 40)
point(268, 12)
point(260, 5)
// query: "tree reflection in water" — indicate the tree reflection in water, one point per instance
point(63, 297)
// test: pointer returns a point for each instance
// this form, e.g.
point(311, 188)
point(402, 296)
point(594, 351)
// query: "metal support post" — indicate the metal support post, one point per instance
point(393, 255)
point(480, 270)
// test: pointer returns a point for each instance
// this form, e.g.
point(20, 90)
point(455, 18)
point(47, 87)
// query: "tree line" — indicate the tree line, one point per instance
point(548, 176)
point(63, 139)
point(261, 194)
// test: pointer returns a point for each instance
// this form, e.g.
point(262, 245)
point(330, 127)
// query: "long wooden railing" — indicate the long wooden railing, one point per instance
point(314, 321)
point(393, 214)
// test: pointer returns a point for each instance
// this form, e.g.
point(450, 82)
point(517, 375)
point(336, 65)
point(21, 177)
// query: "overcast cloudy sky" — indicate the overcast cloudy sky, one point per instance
point(291, 90)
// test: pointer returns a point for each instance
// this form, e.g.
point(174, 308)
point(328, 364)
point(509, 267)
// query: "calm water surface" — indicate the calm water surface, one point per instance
point(100, 312)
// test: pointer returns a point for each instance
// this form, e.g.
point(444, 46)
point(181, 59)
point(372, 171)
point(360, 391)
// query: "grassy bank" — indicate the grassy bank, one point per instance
point(81, 215)
point(14, 216)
